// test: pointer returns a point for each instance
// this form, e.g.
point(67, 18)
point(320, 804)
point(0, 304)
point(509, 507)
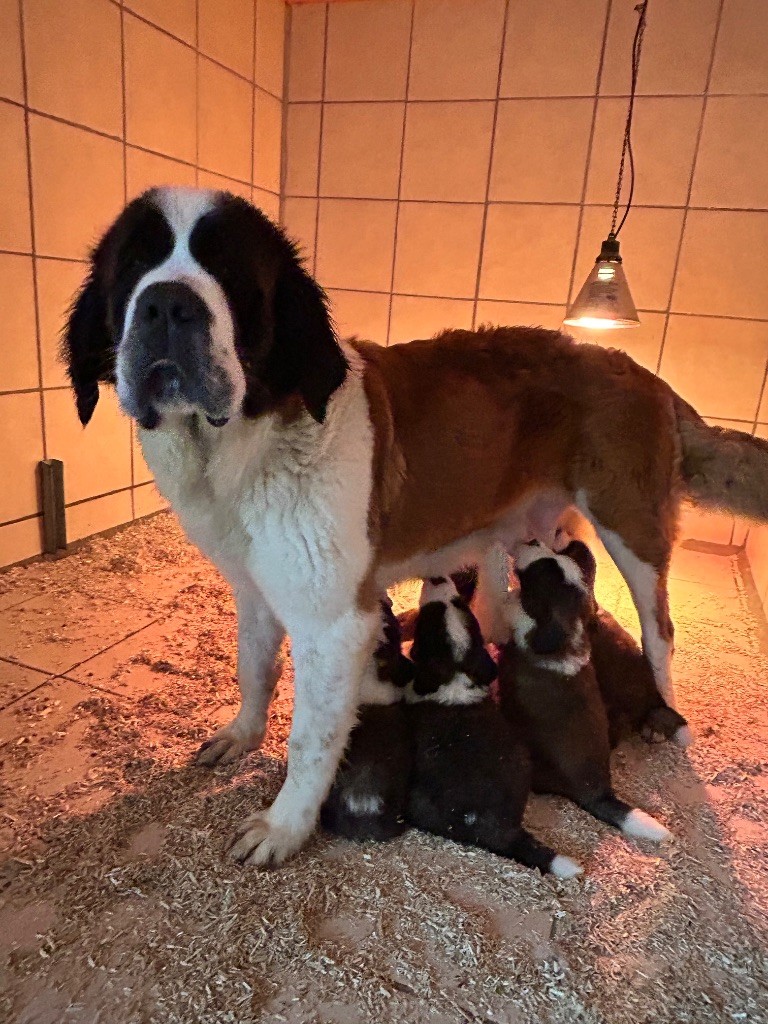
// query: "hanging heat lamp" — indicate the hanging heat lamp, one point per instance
point(605, 300)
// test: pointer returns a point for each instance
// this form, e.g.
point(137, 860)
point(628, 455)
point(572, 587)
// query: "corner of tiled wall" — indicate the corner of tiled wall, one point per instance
point(469, 177)
point(99, 100)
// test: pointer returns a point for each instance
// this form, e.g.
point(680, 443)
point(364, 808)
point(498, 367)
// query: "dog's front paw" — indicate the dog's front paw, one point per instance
point(229, 744)
point(263, 843)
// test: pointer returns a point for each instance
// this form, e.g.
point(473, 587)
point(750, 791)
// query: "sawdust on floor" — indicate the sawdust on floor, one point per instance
point(118, 905)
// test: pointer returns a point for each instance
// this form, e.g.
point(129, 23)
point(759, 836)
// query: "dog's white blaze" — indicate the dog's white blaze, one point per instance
point(444, 592)
point(460, 691)
point(526, 554)
point(364, 803)
point(563, 867)
point(640, 825)
point(182, 209)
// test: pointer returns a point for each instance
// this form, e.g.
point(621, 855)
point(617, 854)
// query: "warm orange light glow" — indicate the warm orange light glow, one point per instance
point(597, 323)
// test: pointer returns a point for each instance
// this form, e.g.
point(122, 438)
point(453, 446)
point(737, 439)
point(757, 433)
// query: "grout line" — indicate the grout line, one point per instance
point(691, 177)
point(547, 96)
point(32, 232)
point(287, 38)
point(491, 157)
point(253, 97)
point(590, 142)
point(320, 137)
point(124, 90)
point(197, 93)
point(104, 494)
point(22, 519)
point(400, 176)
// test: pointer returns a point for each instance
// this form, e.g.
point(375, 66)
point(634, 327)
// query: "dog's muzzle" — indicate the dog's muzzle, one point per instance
point(167, 360)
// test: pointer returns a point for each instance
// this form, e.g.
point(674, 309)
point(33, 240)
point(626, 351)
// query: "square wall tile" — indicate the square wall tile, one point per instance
point(716, 365)
point(268, 203)
point(147, 500)
point(19, 541)
point(414, 316)
point(157, 66)
point(58, 282)
point(21, 426)
point(361, 150)
point(267, 141)
point(553, 48)
point(225, 32)
point(676, 51)
point(664, 132)
point(519, 314)
point(96, 458)
point(540, 152)
point(270, 44)
point(360, 314)
point(18, 369)
point(11, 79)
point(642, 343)
point(456, 49)
point(175, 16)
point(703, 526)
point(438, 249)
point(15, 227)
point(206, 179)
point(740, 65)
point(302, 149)
point(98, 514)
point(359, 34)
point(732, 163)
point(77, 178)
point(146, 170)
point(528, 252)
point(447, 150)
point(86, 88)
point(300, 223)
point(722, 265)
point(649, 242)
point(355, 244)
point(306, 52)
point(225, 108)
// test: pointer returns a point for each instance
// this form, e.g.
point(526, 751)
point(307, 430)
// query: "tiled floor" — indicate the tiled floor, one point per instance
point(116, 662)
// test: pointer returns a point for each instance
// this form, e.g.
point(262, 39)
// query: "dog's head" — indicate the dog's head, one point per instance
point(448, 646)
point(196, 303)
point(556, 602)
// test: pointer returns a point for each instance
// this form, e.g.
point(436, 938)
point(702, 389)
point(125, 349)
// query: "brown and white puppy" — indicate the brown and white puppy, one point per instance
point(369, 794)
point(549, 692)
point(315, 474)
point(471, 774)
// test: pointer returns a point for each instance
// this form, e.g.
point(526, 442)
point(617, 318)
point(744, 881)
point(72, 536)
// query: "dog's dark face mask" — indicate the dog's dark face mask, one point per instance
point(197, 304)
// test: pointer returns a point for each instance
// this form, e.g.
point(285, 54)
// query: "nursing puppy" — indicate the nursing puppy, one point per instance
point(471, 776)
point(367, 799)
point(549, 691)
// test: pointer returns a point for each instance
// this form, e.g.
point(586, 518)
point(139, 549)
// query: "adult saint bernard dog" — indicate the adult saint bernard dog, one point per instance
point(315, 473)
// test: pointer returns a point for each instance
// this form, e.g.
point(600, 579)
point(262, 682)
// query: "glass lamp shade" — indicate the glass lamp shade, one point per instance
point(604, 301)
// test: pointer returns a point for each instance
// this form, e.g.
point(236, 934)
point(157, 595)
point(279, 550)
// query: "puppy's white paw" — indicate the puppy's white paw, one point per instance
point(264, 844)
point(683, 737)
point(229, 744)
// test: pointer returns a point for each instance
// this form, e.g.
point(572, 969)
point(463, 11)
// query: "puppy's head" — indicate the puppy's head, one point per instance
point(391, 664)
point(196, 303)
point(555, 602)
point(448, 647)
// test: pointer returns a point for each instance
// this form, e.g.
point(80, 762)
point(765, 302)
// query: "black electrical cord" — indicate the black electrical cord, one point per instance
point(626, 149)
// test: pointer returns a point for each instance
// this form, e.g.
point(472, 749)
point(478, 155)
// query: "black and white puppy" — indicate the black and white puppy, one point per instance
point(368, 796)
point(549, 691)
point(471, 775)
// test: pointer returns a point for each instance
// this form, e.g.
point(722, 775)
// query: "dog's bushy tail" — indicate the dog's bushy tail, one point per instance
point(725, 470)
point(529, 851)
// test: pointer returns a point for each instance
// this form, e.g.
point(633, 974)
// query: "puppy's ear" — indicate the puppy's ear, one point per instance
point(480, 666)
point(404, 671)
point(86, 346)
point(578, 551)
point(305, 345)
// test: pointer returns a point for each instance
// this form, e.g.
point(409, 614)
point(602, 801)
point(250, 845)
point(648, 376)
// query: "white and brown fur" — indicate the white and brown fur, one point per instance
point(316, 473)
point(471, 775)
point(549, 692)
point(368, 796)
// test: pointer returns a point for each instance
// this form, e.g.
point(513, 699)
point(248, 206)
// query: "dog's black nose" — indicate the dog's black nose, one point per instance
point(169, 306)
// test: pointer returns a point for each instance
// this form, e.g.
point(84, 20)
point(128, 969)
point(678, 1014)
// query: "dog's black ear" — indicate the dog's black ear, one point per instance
point(578, 551)
point(305, 344)
point(480, 666)
point(86, 346)
point(404, 671)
